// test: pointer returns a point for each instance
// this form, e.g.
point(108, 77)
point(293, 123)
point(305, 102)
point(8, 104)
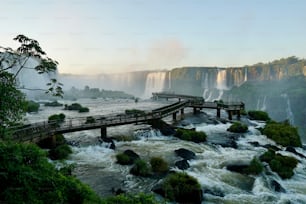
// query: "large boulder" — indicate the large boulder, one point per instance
point(277, 187)
point(292, 150)
point(185, 154)
point(182, 164)
point(164, 128)
point(239, 168)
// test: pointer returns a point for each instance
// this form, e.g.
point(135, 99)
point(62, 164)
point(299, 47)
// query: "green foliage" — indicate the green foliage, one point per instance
point(30, 178)
point(132, 199)
point(181, 187)
point(190, 135)
point(135, 112)
point(83, 110)
point(238, 127)
point(57, 118)
point(60, 152)
point(159, 165)
point(283, 134)
point(90, 119)
point(123, 159)
point(254, 168)
point(282, 165)
point(53, 104)
point(140, 168)
point(258, 115)
point(76, 107)
point(32, 106)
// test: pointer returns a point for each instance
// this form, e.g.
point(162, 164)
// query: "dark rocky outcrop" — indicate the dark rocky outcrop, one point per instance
point(109, 140)
point(130, 153)
point(272, 147)
point(185, 154)
point(239, 168)
point(214, 192)
point(277, 187)
point(292, 150)
point(164, 128)
point(182, 164)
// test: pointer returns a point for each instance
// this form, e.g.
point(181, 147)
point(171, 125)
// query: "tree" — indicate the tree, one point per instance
point(12, 62)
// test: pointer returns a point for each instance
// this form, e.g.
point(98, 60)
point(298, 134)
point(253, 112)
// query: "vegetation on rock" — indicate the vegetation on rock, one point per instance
point(32, 106)
point(53, 104)
point(190, 135)
point(255, 167)
point(140, 168)
point(159, 165)
point(283, 134)
point(128, 157)
point(90, 120)
point(56, 118)
point(282, 165)
point(135, 112)
point(258, 115)
point(182, 188)
point(132, 199)
point(238, 127)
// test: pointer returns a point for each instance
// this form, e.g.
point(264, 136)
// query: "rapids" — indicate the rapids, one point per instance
point(96, 163)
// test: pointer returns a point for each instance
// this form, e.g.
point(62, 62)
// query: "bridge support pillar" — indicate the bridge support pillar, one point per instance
point(230, 115)
point(218, 112)
point(238, 115)
point(53, 141)
point(103, 132)
point(182, 113)
point(194, 110)
point(174, 116)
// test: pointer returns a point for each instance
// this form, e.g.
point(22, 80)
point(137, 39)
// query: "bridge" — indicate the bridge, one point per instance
point(36, 132)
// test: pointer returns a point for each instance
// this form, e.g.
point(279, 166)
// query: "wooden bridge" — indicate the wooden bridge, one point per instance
point(38, 131)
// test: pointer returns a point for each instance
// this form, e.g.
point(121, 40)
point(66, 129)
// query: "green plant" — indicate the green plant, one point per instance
point(182, 188)
point(238, 127)
point(83, 110)
point(159, 165)
point(60, 152)
point(140, 198)
point(283, 134)
point(53, 104)
point(32, 106)
point(140, 168)
point(255, 167)
point(123, 159)
point(190, 135)
point(56, 119)
point(258, 115)
point(135, 112)
point(90, 119)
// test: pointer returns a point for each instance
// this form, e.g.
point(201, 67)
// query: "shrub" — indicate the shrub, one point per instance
point(132, 199)
point(255, 167)
point(53, 104)
point(56, 118)
point(83, 110)
point(90, 119)
point(190, 135)
point(140, 168)
point(60, 152)
point(258, 115)
point(159, 165)
point(182, 188)
point(282, 165)
point(283, 134)
point(123, 159)
point(135, 112)
point(74, 106)
point(237, 127)
point(32, 106)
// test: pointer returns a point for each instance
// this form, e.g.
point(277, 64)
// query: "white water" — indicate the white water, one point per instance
point(289, 112)
point(221, 80)
point(155, 82)
point(96, 164)
point(245, 74)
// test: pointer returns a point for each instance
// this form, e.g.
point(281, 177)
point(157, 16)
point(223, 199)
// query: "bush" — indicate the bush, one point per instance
point(182, 188)
point(90, 119)
point(132, 199)
point(282, 165)
point(135, 112)
point(159, 165)
point(259, 115)
point(53, 104)
point(237, 127)
point(283, 134)
point(83, 110)
point(123, 159)
point(254, 168)
point(190, 135)
point(32, 106)
point(74, 106)
point(60, 152)
point(140, 168)
point(30, 178)
point(57, 118)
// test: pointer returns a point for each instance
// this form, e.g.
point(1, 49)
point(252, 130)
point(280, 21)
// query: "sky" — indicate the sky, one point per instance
point(111, 36)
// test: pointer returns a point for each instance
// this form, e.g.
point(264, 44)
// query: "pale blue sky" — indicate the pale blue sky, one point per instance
point(104, 36)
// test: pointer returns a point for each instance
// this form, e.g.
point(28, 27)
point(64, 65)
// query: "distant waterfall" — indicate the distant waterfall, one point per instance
point(155, 82)
point(221, 80)
point(245, 74)
point(289, 112)
point(169, 80)
point(261, 106)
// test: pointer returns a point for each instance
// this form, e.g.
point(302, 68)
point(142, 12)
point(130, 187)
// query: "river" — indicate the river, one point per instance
point(96, 163)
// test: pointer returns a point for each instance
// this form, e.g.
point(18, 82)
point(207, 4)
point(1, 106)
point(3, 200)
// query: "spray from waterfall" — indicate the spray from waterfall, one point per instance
point(155, 82)
point(289, 112)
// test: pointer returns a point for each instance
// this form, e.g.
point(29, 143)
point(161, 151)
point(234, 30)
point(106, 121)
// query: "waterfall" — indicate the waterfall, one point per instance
point(245, 74)
point(264, 105)
point(155, 82)
point(289, 112)
point(169, 80)
point(221, 80)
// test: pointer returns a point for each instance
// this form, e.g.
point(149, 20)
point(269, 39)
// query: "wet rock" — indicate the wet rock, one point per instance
point(292, 150)
point(277, 187)
point(164, 128)
point(214, 192)
point(117, 191)
point(272, 147)
point(183, 164)
point(255, 144)
point(158, 190)
point(109, 140)
point(185, 153)
point(239, 168)
point(131, 154)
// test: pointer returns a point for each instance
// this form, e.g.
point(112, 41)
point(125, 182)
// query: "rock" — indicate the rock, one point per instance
point(158, 190)
point(109, 140)
point(117, 191)
point(255, 144)
point(182, 164)
point(277, 187)
point(292, 150)
point(164, 128)
point(185, 153)
point(239, 168)
point(272, 147)
point(214, 192)
point(133, 156)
